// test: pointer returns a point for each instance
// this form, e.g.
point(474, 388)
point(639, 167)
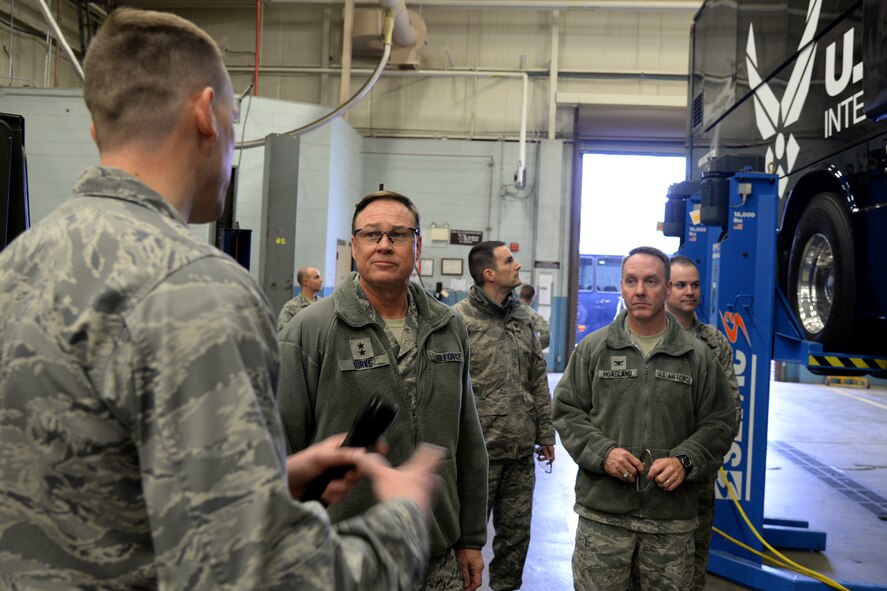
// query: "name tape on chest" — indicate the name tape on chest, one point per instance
point(609, 374)
point(359, 364)
point(674, 377)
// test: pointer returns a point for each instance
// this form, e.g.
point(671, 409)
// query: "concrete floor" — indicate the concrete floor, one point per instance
point(844, 429)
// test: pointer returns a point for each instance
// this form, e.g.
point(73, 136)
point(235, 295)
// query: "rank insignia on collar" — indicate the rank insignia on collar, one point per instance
point(361, 348)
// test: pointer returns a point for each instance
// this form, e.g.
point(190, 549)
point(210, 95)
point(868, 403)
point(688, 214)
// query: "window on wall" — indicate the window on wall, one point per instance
point(623, 198)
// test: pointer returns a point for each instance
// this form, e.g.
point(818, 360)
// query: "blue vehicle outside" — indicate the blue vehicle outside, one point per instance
point(599, 294)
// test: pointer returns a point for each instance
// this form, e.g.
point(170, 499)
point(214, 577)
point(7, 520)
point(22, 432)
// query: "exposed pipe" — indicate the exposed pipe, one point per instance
point(58, 49)
point(325, 54)
point(520, 173)
point(347, 30)
point(691, 6)
point(344, 108)
point(60, 37)
point(47, 61)
point(531, 72)
point(553, 72)
point(11, 49)
point(258, 46)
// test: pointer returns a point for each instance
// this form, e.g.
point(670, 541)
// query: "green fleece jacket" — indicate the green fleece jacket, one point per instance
point(324, 383)
point(677, 401)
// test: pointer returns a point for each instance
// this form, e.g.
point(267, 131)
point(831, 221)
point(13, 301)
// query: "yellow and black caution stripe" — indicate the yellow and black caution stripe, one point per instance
point(851, 362)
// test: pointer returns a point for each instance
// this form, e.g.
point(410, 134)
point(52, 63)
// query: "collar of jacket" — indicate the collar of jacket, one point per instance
point(431, 313)
point(675, 342)
point(114, 183)
point(508, 309)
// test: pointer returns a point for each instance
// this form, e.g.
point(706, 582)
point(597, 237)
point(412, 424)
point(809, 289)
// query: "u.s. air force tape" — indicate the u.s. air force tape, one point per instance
point(455, 356)
point(673, 377)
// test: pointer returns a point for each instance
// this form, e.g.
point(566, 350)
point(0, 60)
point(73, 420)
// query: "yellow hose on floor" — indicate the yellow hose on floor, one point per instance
point(781, 560)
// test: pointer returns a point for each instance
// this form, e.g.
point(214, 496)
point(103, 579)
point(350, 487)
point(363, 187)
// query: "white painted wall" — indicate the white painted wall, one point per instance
point(57, 143)
point(459, 184)
point(59, 148)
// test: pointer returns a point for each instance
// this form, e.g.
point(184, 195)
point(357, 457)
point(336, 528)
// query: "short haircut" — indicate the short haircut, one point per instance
point(381, 196)
point(682, 260)
point(303, 274)
point(527, 293)
point(140, 70)
point(481, 257)
point(651, 251)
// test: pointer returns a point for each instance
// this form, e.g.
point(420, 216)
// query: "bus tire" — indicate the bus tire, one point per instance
point(822, 276)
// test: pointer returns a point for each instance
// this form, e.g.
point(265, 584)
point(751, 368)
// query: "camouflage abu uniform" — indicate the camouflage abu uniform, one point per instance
point(291, 308)
point(722, 350)
point(674, 401)
point(514, 406)
point(142, 446)
point(540, 326)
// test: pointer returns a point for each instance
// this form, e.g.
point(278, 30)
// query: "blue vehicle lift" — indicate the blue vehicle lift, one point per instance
point(735, 250)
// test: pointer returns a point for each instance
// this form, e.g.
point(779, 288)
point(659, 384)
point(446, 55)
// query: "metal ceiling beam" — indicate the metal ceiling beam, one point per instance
point(605, 5)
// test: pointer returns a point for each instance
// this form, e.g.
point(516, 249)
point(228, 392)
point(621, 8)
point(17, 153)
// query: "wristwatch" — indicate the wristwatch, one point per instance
point(686, 463)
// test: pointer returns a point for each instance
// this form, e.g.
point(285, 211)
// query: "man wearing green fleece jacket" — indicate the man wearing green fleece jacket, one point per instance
point(380, 335)
point(646, 411)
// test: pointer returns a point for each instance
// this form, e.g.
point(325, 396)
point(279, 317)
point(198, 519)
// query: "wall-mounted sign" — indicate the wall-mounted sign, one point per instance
point(466, 237)
point(547, 265)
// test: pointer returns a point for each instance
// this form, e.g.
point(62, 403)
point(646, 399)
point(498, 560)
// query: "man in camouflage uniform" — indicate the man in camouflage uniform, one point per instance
point(311, 283)
point(682, 304)
point(646, 412)
point(540, 325)
point(380, 334)
point(513, 402)
point(141, 442)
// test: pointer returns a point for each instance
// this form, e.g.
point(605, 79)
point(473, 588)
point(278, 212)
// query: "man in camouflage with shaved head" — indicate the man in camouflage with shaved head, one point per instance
point(138, 366)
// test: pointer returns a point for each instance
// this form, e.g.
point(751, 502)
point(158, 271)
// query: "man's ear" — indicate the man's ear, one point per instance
point(204, 116)
point(419, 247)
point(92, 134)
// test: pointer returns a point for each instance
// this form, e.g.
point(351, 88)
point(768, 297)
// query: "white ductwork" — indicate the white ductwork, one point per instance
point(366, 37)
point(404, 33)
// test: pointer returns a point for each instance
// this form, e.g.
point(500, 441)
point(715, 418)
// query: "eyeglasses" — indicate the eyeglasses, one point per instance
point(643, 483)
point(396, 235)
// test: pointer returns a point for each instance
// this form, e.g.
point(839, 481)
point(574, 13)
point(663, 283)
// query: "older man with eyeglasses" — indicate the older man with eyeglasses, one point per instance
point(379, 334)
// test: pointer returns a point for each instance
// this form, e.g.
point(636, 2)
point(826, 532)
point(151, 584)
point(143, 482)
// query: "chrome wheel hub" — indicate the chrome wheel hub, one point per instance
point(816, 280)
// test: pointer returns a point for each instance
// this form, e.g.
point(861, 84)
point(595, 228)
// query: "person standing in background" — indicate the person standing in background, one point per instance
point(540, 325)
point(513, 402)
point(682, 304)
point(311, 283)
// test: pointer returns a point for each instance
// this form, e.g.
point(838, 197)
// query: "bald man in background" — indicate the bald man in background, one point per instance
point(311, 282)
